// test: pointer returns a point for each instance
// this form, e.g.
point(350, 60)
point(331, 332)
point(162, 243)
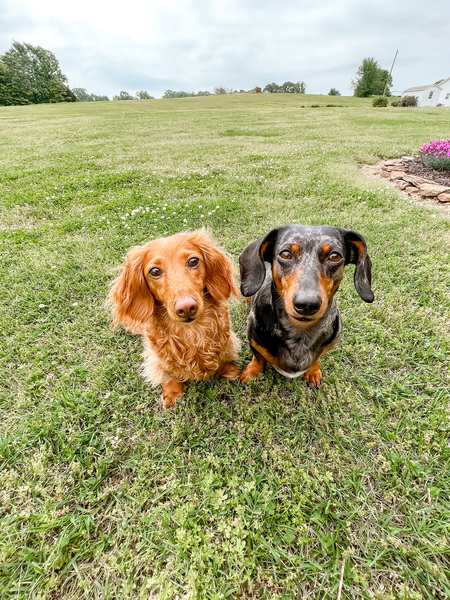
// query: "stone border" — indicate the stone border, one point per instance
point(425, 190)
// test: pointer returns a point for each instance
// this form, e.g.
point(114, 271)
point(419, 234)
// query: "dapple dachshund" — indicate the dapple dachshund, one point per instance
point(289, 277)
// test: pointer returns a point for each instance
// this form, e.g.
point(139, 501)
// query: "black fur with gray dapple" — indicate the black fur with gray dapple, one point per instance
point(295, 346)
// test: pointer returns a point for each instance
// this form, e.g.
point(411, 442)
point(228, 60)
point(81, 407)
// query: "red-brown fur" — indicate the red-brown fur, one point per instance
point(176, 351)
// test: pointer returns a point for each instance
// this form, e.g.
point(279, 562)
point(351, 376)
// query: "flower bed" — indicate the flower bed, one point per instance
point(436, 155)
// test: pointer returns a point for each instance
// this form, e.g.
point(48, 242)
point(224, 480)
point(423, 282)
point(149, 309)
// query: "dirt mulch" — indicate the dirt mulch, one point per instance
point(415, 167)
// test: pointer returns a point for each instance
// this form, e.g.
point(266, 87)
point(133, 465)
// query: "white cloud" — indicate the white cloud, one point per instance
point(106, 46)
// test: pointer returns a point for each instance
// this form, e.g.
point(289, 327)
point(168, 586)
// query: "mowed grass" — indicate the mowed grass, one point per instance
point(270, 491)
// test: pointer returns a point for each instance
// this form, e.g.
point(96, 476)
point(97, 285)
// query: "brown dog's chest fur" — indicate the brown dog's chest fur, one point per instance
point(191, 350)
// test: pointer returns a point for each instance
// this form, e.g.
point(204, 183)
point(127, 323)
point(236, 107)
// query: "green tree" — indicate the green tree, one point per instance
point(143, 95)
point(334, 92)
point(124, 96)
point(82, 95)
point(32, 75)
point(371, 79)
point(272, 88)
point(97, 98)
point(288, 87)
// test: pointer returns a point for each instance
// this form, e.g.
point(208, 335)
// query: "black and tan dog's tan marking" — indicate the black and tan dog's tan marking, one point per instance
point(291, 275)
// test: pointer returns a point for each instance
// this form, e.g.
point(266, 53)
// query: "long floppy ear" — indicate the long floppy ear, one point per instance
point(356, 254)
point(251, 263)
point(130, 299)
point(219, 282)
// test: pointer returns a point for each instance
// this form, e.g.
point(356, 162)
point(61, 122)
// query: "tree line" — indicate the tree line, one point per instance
point(32, 75)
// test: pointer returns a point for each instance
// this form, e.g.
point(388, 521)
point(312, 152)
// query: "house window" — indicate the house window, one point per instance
point(447, 96)
point(430, 95)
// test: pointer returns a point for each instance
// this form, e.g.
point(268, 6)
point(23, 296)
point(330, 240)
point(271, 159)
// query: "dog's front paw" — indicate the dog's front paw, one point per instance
point(253, 371)
point(230, 371)
point(313, 375)
point(171, 392)
point(246, 375)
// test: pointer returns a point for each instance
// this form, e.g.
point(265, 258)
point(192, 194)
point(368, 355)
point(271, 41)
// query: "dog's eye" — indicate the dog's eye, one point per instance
point(286, 254)
point(155, 272)
point(335, 257)
point(193, 262)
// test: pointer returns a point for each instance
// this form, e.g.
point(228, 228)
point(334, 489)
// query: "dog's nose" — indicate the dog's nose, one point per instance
point(186, 307)
point(307, 305)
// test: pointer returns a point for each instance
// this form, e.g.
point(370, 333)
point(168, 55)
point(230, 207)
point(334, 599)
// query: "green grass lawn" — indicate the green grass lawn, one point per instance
point(269, 491)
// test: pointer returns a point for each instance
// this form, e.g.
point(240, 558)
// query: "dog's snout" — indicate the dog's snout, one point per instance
point(307, 306)
point(186, 307)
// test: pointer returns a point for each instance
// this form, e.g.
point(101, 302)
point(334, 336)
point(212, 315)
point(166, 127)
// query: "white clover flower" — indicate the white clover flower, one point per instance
point(41, 305)
point(75, 304)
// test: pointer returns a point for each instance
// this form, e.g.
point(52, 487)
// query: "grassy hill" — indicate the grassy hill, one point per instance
point(273, 490)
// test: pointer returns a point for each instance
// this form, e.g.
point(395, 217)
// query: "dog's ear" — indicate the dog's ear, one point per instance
point(251, 263)
point(130, 298)
point(356, 254)
point(219, 282)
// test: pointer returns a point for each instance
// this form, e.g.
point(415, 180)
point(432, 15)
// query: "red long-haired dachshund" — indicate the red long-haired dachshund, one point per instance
point(174, 292)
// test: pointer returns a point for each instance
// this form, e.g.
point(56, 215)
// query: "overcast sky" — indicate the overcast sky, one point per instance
point(107, 46)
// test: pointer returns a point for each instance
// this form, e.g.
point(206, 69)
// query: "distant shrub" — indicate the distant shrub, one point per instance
point(436, 155)
point(405, 101)
point(409, 101)
point(334, 92)
point(380, 101)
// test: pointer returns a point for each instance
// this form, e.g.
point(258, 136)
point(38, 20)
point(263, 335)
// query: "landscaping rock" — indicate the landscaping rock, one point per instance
point(427, 190)
point(403, 174)
point(397, 174)
point(417, 180)
point(404, 184)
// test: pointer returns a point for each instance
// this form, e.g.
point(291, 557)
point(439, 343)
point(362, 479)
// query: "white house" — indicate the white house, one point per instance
point(431, 95)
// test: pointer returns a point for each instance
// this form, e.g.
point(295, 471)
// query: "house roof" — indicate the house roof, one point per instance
point(418, 88)
point(421, 88)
